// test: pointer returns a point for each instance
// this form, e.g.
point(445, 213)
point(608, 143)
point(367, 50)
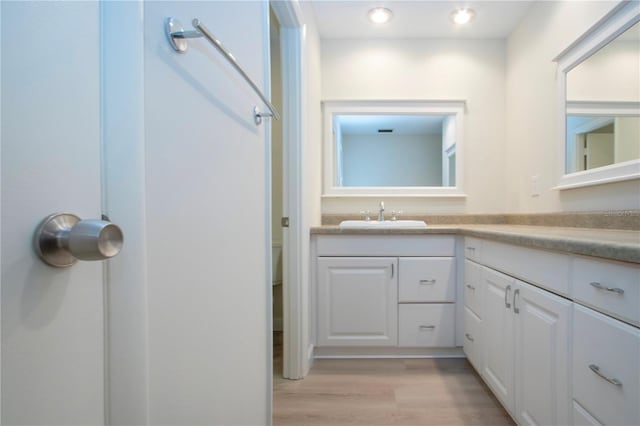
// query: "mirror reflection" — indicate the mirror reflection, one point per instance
point(603, 104)
point(375, 148)
point(394, 150)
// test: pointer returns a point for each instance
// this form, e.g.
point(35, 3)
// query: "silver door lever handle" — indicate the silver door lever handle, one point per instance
point(62, 238)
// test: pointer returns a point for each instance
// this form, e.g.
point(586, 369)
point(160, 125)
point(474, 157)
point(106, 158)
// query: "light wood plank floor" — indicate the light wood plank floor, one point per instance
point(381, 392)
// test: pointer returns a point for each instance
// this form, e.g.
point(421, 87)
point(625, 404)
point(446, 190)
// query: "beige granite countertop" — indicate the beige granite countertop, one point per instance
point(620, 245)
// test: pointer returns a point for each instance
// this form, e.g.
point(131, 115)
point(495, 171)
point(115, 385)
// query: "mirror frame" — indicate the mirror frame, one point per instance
point(601, 34)
point(330, 109)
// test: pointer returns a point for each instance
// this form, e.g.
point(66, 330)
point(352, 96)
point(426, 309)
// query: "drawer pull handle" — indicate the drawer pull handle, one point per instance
point(596, 370)
point(428, 281)
point(471, 248)
point(427, 327)
point(468, 336)
point(506, 296)
point(605, 288)
point(470, 287)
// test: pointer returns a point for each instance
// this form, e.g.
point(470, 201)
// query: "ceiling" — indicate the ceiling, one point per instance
point(417, 18)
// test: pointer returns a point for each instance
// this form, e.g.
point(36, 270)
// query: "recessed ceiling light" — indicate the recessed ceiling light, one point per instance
point(462, 16)
point(380, 15)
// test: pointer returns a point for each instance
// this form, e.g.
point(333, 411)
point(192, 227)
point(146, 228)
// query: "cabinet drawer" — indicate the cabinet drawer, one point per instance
point(472, 248)
point(426, 279)
point(545, 269)
point(473, 287)
point(473, 338)
point(426, 325)
point(581, 417)
point(613, 288)
point(606, 350)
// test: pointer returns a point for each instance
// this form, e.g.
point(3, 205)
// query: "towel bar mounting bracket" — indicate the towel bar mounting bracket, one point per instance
point(178, 36)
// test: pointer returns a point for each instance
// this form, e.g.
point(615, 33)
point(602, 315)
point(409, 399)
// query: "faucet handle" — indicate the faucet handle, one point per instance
point(366, 213)
point(395, 214)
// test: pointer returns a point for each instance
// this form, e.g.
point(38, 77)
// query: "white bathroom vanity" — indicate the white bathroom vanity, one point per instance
point(548, 317)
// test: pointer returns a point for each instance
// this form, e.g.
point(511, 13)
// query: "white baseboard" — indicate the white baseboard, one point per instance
point(390, 352)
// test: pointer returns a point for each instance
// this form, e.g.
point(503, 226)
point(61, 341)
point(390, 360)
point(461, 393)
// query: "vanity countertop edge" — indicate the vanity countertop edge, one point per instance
point(618, 245)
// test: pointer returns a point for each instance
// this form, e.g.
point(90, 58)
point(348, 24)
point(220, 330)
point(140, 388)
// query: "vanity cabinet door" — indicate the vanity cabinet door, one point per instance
point(526, 342)
point(497, 325)
point(357, 301)
point(542, 347)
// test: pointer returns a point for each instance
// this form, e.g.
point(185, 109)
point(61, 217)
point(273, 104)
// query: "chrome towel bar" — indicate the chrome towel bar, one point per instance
point(178, 40)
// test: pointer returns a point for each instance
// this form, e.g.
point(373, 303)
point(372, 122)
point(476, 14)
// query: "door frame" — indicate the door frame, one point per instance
point(290, 17)
point(123, 181)
point(0, 220)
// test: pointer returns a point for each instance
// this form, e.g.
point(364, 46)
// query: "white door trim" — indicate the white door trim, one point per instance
point(123, 181)
point(0, 222)
point(289, 15)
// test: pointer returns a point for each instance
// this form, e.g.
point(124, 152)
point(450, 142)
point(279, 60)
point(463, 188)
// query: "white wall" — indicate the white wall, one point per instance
point(429, 69)
point(611, 74)
point(533, 116)
point(207, 237)
point(392, 160)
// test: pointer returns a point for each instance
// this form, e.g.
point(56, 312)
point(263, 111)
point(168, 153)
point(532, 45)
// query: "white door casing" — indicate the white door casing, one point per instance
point(295, 295)
point(124, 201)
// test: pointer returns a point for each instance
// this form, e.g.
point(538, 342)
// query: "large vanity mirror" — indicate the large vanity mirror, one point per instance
point(600, 76)
point(393, 148)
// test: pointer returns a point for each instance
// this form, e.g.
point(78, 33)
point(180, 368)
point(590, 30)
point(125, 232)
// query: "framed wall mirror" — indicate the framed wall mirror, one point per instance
point(393, 148)
point(600, 102)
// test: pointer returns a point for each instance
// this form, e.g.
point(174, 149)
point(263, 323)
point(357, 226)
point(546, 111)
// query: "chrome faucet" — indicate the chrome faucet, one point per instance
point(381, 212)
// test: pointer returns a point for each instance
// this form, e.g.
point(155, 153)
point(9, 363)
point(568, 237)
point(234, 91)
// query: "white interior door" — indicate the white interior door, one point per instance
point(600, 150)
point(52, 319)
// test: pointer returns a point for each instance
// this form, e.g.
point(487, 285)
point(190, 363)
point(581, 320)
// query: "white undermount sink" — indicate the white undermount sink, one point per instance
point(384, 224)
